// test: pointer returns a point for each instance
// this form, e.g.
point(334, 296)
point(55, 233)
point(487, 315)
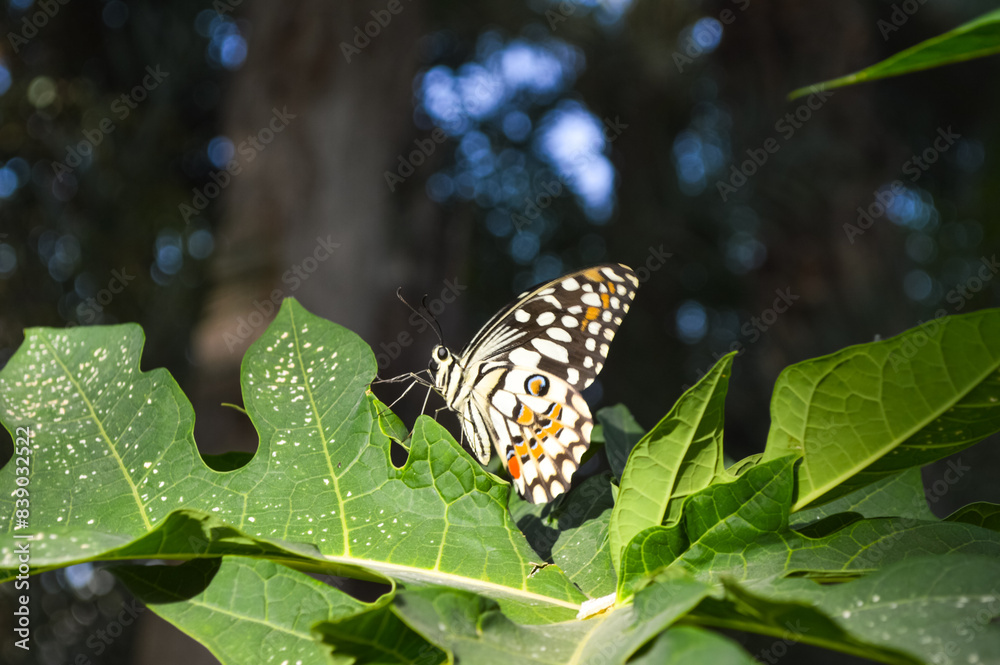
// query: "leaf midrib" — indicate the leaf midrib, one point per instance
point(322, 434)
point(100, 425)
point(662, 506)
point(451, 579)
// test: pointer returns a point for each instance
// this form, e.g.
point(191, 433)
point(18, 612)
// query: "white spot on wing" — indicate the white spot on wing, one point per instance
point(525, 357)
point(559, 334)
point(551, 349)
point(611, 274)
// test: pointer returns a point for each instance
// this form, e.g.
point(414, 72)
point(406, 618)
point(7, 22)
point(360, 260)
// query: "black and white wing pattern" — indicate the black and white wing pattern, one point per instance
point(516, 386)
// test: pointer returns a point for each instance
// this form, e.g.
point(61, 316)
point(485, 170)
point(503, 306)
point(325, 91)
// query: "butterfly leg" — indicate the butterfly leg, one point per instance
point(427, 397)
point(414, 376)
point(415, 379)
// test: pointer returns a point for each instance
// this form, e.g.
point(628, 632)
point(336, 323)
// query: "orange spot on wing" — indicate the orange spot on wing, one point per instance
point(514, 467)
point(536, 386)
point(526, 416)
point(552, 430)
point(593, 313)
point(606, 300)
point(593, 274)
point(521, 448)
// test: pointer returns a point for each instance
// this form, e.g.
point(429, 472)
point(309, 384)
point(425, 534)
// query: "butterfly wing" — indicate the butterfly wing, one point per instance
point(563, 327)
point(528, 366)
point(541, 437)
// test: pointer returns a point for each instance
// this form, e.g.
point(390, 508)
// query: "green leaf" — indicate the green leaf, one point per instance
point(390, 424)
point(940, 609)
point(684, 645)
point(739, 530)
point(378, 638)
point(234, 459)
point(984, 514)
point(897, 495)
point(867, 545)
point(791, 619)
point(475, 630)
point(573, 533)
point(720, 525)
point(114, 456)
point(741, 466)
point(975, 39)
point(872, 410)
point(678, 457)
point(253, 611)
point(621, 433)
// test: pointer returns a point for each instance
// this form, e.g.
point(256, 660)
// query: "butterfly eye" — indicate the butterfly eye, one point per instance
point(442, 353)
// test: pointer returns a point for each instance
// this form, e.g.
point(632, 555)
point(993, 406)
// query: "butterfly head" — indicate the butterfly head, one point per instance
point(441, 361)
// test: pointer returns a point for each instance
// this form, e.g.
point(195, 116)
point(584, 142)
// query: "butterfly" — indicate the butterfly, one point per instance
point(516, 386)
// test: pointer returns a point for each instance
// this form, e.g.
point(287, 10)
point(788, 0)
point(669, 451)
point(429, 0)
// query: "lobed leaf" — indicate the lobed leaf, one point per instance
point(242, 610)
point(114, 459)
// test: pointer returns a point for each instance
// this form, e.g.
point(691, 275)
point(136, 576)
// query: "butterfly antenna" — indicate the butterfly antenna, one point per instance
point(423, 313)
point(433, 320)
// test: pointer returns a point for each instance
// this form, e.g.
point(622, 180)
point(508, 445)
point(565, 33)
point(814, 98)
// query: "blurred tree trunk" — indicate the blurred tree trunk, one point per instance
point(318, 184)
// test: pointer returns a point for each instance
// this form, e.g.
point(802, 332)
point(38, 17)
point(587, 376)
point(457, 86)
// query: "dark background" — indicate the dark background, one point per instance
point(467, 151)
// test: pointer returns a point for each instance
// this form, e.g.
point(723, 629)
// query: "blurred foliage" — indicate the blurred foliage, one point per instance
point(976, 39)
point(105, 128)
